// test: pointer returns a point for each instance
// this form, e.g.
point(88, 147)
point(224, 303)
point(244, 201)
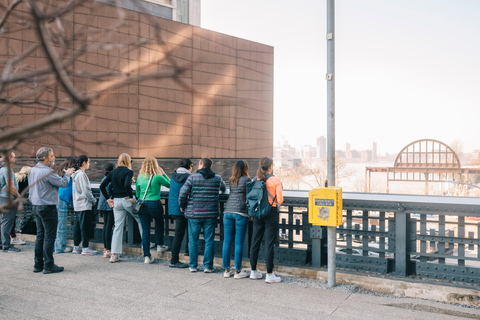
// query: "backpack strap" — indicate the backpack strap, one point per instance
point(274, 199)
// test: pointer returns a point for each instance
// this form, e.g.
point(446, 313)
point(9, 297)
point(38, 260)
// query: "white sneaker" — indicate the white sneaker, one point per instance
point(114, 257)
point(227, 274)
point(162, 249)
point(152, 245)
point(206, 270)
point(89, 251)
point(149, 259)
point(192, 269)
point(240, 275)
point(272, 278)
point(77, 249)
point(256, 274)
point(17, 241)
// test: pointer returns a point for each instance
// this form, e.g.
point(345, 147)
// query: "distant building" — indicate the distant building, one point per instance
point(322, 147)
point(374, 150)
point(184, 11)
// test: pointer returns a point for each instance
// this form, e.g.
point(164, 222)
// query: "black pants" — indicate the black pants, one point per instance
point(81, 229)
point(267, 226)
point(47, 220)
point(108, 221)
point(181, 226)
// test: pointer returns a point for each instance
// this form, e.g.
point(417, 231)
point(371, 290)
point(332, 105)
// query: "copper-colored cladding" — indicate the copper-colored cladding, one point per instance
point(230, 116)
point(426, 161)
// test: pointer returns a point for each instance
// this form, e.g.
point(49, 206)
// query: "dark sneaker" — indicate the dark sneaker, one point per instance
point(178, 265)
point(12, 249)
point(54, 269)
point(37, 269)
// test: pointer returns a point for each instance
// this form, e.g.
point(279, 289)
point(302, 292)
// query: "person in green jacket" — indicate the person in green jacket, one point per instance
point(152, 207)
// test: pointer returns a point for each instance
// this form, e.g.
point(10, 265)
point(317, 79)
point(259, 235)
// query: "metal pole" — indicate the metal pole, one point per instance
point(331, 131)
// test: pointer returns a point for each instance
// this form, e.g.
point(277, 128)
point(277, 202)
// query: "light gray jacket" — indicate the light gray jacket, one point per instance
point(83, 198)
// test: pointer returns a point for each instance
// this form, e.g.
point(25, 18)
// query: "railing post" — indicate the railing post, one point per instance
point(316, 235)
point(401, 232)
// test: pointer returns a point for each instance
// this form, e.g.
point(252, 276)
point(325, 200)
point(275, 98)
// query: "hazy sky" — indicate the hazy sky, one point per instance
point(405, 69)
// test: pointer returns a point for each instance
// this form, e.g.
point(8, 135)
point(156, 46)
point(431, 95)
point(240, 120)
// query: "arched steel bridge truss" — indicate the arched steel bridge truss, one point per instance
point(425, 161)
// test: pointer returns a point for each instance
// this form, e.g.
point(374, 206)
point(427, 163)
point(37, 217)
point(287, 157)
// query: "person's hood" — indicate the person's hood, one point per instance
point(207, 173)
point(181, 175)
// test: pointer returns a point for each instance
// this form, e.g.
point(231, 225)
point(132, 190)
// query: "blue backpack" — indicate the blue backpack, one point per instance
point(258, 205)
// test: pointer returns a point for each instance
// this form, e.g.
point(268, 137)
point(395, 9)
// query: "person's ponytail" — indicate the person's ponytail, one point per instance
point(263, 167)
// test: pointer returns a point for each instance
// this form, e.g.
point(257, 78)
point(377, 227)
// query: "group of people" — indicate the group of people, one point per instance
point(193, 202)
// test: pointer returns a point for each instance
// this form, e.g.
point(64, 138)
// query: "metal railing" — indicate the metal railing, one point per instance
point(432, 237)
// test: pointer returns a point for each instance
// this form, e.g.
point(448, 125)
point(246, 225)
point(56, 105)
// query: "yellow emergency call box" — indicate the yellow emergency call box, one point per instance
point(325, 206)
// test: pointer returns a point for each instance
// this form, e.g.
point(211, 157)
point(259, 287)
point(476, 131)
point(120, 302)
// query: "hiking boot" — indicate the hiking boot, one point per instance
point(54, 269)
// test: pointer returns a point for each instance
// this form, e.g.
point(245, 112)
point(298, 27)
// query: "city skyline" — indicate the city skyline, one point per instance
point(405, 70)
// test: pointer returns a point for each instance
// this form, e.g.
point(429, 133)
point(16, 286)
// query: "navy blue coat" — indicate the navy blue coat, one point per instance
point(176, 182)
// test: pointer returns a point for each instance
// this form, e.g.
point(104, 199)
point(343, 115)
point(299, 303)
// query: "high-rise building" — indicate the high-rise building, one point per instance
point(374, 150)
point(321, 147)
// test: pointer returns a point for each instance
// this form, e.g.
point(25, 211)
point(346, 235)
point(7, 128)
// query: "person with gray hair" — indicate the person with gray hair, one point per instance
point(44, 184)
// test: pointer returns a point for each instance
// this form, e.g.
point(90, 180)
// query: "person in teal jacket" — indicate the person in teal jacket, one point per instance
point(152, 207)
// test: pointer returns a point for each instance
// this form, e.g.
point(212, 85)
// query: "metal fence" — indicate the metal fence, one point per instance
point(431, 237)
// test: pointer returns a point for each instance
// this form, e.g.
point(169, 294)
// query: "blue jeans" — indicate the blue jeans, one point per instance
point(151, 209)
point(233, 224)
point(194, 226)
point(61, 240)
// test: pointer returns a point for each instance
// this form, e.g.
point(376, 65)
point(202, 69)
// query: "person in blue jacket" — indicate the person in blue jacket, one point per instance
point(65, 197)
point(179, 176)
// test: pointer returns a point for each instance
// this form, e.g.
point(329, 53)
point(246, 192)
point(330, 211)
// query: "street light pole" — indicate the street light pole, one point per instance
point(331, 132)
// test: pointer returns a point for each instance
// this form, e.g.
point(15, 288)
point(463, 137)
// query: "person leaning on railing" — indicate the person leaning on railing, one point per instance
point(121, 201)
point(179, 176)
point(267, 225)
point(235, 219)
point(152, 205)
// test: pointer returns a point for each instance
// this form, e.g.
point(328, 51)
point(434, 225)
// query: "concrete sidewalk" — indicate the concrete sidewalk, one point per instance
point(92, 288)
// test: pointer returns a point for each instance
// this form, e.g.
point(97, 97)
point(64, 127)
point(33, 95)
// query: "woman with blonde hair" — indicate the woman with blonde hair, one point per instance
point(22, 178)
point(121, 200)
point(152, 207)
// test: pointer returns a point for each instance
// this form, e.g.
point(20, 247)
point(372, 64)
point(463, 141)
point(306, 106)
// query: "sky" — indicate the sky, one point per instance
point(405, 69)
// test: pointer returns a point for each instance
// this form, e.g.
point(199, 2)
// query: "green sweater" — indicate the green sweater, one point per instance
point(154, 191)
